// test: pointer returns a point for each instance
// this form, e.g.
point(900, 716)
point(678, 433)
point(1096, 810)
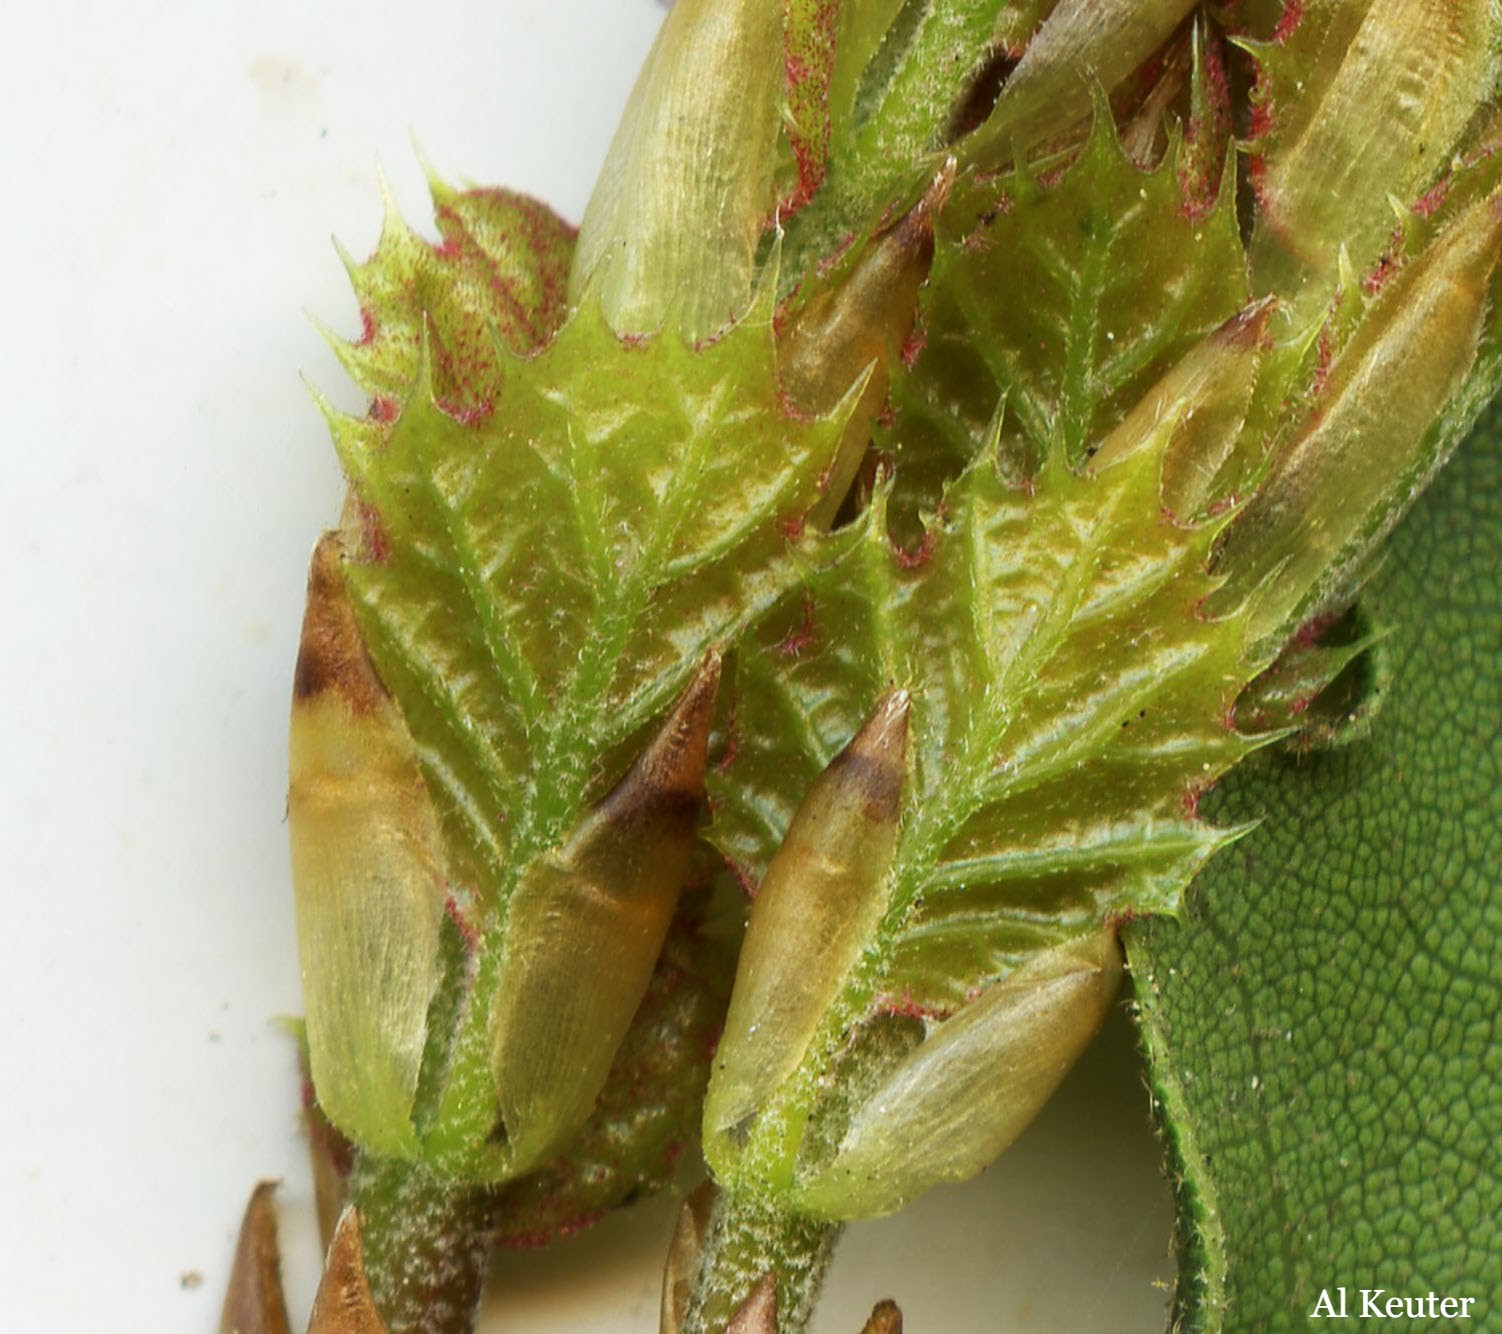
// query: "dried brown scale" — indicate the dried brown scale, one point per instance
point(758, 1313)
point(253, 1303)
point(886, 1318)
point(331, 656)
point(343, 1304)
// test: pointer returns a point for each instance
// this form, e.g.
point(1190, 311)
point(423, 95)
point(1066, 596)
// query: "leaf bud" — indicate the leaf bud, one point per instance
point(859, 325)
point(585, 928)
point(367, 871)
point(1366, 450)
point(822, 895)
point(970, 1088)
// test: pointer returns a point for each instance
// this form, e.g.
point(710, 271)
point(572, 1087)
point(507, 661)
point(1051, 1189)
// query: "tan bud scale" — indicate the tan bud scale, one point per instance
point(592, 916)
point(858, 327)
point(971, 1087)
point(367, 871)
point(821, 898)
point(343, 1304)
point(253, 1303)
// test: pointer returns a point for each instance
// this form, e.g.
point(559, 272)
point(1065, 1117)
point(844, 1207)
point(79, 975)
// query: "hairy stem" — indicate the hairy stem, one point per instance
point(746, 1236)
point(426, 1243)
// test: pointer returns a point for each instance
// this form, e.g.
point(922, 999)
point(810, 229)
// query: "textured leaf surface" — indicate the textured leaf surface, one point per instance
point(549, 546)
point(1323, 1029)
point(1034, 314)
point(1044, 797)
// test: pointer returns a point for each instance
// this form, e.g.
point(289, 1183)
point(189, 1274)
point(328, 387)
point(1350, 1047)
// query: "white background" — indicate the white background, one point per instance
point(172, 172)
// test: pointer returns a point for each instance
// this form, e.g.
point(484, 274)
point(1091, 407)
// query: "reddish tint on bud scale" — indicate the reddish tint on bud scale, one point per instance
point(856, 326)
point(1373, 117)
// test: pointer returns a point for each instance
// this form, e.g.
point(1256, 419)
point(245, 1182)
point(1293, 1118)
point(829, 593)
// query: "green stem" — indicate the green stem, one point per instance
point(426, 1241)
point(748, 1235)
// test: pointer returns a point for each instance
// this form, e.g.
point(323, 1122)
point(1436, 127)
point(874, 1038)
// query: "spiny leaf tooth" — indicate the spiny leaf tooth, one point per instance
point(1205, 164)
point(821, 897)
point(589, 921)
point(439, 190)
point(352, 266)
point(971, 1086)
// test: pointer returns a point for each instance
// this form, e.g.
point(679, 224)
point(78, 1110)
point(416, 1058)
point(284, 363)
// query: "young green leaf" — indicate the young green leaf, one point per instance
point(1036, 326)
point(1046, 794)
point(667, 486)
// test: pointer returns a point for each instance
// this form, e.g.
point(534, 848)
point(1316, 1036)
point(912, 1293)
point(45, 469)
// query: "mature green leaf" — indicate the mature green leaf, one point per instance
point(1323, 1026)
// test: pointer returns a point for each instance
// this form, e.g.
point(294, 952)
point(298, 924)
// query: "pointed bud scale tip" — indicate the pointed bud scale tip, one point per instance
point(672, 765)
point(886, 1318)
point(253, 1303)
point(820, 899)
point(585, 928)
point(344, 1304)
point(331, 657)
point(758, 1313)
point(873, 764)
point(858, 327)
